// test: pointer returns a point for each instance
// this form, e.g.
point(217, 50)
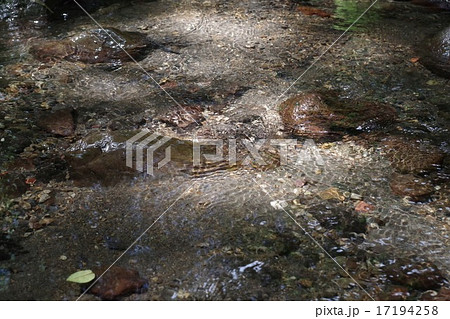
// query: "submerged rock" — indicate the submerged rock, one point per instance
point(411, 156)
point(342, 221)
point(94, 46)
point(60, 122)
point(104, 160)
point(409, 185)
point(307, 114)
point(318, 115)
point(95, 166)
point(436, 55)
point(419, 275)
point(117, 282)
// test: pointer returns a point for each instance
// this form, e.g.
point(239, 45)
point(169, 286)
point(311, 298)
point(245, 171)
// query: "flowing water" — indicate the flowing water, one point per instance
point(223, 232)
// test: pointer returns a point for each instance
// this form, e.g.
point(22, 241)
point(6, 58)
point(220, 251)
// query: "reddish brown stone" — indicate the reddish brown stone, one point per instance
point(117, 282)
point(318, 115)
point(363, 207)
point(307, 114)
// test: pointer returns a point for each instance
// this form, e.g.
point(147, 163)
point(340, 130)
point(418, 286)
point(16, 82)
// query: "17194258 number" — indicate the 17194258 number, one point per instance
point(407, 310)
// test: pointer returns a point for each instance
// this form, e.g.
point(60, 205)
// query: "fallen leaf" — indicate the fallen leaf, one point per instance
point(414, 60)
point(81, 277)
point(46, 221)
point(183, 294)
point(306, 283)
point(169, 85)
point(309, 11)
point(331, 193)
point(30, 181)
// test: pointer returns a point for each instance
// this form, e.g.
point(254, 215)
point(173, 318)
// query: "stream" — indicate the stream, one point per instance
point(358, 209)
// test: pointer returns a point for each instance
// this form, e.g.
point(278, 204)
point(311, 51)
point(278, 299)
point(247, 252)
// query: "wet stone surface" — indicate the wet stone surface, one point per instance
point(117, 282)
point(437, 56)
point(312, 115)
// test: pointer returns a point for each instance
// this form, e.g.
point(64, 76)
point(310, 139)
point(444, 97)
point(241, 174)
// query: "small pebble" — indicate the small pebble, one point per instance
point(355, 196)
point(43, 197)
point(25, 205)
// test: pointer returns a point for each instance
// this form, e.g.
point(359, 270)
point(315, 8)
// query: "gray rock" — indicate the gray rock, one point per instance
point(436, 56)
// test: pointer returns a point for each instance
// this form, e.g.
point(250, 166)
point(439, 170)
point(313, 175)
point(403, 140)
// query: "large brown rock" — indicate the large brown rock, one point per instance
point(436, 55)
point(117, 282)
point(307, 114)
point(318, 115)
point(94, 46)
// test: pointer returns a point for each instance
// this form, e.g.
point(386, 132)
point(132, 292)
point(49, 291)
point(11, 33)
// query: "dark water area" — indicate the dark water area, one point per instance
point(360, 210)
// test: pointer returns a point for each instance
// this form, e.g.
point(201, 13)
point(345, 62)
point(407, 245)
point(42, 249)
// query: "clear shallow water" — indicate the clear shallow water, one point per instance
point(226, 238)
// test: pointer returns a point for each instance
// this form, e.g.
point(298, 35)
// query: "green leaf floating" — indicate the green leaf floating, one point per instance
point(81, 277)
